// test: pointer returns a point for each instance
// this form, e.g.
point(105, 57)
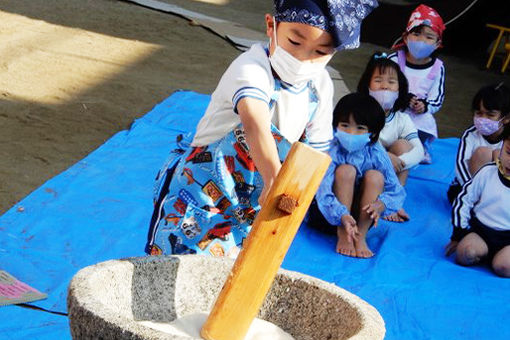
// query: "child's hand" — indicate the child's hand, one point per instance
point(417, 105)
point(263, 194)
point(412, 102)
point(397, 163)
point(351, 228)
point(495, 154)
point(451, 247)
point(374, 210)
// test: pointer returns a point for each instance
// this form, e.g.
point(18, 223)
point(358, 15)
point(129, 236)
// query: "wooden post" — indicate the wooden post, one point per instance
point(267, 243)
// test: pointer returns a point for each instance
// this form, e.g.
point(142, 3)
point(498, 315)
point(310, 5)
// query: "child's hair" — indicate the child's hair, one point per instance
point(381, 62)
point(419, 29)
point(494, 97)
point(365, 110)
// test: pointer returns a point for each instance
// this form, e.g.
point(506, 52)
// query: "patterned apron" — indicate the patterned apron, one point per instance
point(206, 197)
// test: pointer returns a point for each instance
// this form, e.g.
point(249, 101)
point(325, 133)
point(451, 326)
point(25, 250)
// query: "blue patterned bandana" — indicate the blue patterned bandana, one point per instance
point(340, 18)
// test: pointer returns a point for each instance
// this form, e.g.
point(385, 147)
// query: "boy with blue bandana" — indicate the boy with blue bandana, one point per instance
point(270, 96)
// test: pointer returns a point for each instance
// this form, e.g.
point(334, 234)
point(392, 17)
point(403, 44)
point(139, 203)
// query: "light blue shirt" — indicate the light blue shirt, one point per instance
point(371, 157)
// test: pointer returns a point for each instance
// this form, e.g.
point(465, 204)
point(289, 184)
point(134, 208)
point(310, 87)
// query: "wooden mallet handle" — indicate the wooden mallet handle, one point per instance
point(267, 243)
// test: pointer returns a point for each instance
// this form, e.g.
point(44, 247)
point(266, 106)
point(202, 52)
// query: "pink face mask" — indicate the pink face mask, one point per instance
point(486, 126)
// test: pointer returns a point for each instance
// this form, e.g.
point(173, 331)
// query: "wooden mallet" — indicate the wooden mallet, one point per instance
point(267, 243)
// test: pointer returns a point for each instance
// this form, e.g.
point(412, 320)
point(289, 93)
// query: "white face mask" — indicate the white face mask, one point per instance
point(385, 98)
point(290, 69)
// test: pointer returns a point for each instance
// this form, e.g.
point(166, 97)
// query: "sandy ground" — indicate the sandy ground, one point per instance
point(75, 72)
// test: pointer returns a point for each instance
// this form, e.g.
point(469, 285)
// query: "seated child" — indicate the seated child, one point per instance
point(384, 81)
point(481, 215)
point(360, 183)
point(480, 143)
point(271, 96)
point(424, 71)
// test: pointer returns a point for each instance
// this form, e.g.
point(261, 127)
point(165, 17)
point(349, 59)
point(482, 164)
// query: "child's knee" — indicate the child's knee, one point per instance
point(400, 147)
point(501, 268)
point(345, 172)
point(482, 154)
point(467, 255)
point(501, 262)
point(373, 178)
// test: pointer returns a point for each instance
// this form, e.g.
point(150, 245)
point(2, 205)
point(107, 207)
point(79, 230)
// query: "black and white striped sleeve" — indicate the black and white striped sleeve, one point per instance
point(464, 154)
point(465, 201)
point(435, 96)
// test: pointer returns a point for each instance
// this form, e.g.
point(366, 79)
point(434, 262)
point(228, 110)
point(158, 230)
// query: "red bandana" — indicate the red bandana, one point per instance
point(424, 15)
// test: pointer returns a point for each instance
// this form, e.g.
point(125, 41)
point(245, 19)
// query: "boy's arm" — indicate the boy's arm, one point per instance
point(461, 212)
point(464, 153)
point(435, 97)
point(415, 155)
point(409, 133)
point(255, 117)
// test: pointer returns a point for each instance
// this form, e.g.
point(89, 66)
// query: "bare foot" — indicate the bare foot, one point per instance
point(399, 216)
point(345, 244)
point(362, 249)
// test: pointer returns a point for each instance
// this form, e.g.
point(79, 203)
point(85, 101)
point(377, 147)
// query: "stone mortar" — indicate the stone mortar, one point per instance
point(106, 300)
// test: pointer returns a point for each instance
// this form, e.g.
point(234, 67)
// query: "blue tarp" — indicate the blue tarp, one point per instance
point(99, 209)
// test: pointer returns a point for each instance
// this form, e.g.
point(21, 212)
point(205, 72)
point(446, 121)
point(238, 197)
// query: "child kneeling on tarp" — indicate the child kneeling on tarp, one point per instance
point(481, 215)
point(481, 142)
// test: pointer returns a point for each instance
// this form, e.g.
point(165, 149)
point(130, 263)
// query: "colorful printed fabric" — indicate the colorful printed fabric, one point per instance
point(341, 18)
point(207, 198)
point(425, 15)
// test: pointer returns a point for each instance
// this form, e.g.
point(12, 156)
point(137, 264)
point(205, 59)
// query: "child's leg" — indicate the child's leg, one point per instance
point(501, 262)
point(479, 158)
point(371, 187)
point(343, 187)
point(398, 148)
point(471, 249)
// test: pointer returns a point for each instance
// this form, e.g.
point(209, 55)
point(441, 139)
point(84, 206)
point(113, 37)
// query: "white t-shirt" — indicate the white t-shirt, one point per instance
point(486, 195)
point(470, 141)
point(250, 75)
point(432, 90)
point(399, 125)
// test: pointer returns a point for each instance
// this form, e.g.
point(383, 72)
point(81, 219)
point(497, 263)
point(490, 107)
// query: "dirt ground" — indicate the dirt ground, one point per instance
point(75, 72)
